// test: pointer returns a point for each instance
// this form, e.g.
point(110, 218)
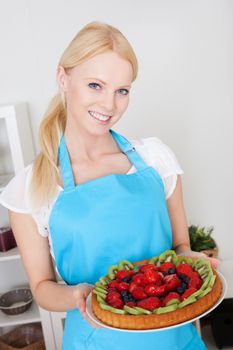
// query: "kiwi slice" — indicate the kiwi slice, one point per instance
point(163, 310)
point(154, 260)
point(190, 300)
point(204, 292)
point(142, 310)
point(100, 299)
point(125, 265)
point(132, 310)
point(173, 301)
point(101, 290)
point(112, 309)
point(101, 294)
point(168, 256)
point(112, 272)
point(104, 280)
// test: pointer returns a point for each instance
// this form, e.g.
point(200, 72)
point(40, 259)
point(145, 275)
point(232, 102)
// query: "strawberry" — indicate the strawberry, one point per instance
point(157, 291)
point(113, 296)
point(166, 266)
point(113, 284)
point(138, 293)
point(123, 273)
point(170, 296)
point(184, 269)
point(117, 303)
point(150, 303)
point(172, 282)
point(151, 290)
point(151, 276)
point(188, 292)
point(145, 267)
point(195, 282)
point(122, 286)
point(132, 286)
point(138, 279)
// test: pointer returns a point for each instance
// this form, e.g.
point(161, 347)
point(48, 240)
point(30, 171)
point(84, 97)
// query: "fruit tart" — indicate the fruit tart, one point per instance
point(159, 292)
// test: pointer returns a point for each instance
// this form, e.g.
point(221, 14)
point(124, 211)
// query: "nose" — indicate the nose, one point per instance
point(108, 102)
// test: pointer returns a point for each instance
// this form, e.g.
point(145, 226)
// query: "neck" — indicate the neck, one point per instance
point(83, 145)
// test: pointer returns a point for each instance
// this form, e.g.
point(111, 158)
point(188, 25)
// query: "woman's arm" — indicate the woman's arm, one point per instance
point(180, 236)
point(34, 250)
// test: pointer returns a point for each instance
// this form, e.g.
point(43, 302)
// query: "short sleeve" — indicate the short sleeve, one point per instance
point(15, 197)
point(15, 194)
point(158, 155)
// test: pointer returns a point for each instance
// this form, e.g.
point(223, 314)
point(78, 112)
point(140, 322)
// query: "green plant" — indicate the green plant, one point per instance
point(200, 238)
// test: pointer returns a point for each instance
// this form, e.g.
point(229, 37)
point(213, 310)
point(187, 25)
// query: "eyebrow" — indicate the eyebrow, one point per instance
point(103, 82)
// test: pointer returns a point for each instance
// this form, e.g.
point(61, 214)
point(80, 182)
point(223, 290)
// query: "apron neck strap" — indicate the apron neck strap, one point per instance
point(123, 143)
point(66, 170)
point(129, 151)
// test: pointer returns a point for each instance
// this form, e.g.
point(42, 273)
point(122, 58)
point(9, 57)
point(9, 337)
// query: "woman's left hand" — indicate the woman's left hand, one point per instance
point(214, 262)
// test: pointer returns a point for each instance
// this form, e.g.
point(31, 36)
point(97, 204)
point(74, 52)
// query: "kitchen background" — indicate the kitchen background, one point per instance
point(183, 94)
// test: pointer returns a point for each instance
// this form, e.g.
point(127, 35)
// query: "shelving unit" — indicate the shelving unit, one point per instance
point(17, 145)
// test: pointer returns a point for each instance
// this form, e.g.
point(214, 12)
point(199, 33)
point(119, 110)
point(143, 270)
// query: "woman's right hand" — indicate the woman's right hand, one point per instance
point(81, 292)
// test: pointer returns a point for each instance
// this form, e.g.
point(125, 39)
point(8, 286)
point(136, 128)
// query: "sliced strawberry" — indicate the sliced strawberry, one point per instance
point(195, 282)
point(132, 286)
point(151, 290)
point(166, 266)
point(138, 293)
point(149, 303)
point(139, 278)
point(145, 267)
point(151, 276)
point(172, 282)
point(188, 292)
point(122, 286)
point(157, 291)
point(124, 273)
point(170, 296)
point(113, 284)
point(117, 303)
point(184, 269)
point(113, 296)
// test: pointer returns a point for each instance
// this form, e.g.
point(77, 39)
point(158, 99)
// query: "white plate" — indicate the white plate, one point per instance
point(98, 322)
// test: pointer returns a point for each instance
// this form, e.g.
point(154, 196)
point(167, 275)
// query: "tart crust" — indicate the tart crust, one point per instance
point(153, 321)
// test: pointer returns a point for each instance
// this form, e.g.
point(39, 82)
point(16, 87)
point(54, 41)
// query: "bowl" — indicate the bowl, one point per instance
point(16, 301)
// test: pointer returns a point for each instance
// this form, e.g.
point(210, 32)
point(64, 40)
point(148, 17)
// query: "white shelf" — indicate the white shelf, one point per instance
point(11, 254)
point(4, 179)
point(31, 315)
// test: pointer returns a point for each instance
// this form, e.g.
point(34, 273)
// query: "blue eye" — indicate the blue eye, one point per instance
point(123, 91)
point(94, 86)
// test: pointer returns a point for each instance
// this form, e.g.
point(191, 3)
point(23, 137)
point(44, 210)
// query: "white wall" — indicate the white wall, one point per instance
point(183, 93)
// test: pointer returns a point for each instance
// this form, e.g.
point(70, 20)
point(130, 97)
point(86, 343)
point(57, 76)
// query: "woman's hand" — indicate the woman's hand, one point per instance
point(214, 262)
point(81, 293)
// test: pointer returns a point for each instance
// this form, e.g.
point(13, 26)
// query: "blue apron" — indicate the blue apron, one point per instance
point(96, 224)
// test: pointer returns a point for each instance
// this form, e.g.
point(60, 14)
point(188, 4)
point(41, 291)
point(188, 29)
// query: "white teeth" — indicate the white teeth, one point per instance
point(99, 116)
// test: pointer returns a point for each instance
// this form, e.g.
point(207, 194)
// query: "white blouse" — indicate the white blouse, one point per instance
point(154, 152)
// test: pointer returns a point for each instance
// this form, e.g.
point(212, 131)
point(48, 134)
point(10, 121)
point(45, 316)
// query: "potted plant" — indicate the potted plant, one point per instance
point(201, 240)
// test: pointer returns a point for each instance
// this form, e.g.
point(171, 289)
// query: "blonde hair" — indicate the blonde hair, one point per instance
point(93, 39)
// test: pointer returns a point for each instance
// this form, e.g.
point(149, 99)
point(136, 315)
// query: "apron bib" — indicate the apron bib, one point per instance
point(100, 222)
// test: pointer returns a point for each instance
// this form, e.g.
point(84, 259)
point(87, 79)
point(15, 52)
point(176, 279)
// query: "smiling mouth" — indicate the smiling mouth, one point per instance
point(103, 118)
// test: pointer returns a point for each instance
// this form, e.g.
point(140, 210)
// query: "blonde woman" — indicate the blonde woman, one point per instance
point(92, 198)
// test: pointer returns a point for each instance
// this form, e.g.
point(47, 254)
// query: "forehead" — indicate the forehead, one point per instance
point(108, 66)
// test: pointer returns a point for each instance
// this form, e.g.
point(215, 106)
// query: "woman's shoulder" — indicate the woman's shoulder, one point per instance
point(157, 154)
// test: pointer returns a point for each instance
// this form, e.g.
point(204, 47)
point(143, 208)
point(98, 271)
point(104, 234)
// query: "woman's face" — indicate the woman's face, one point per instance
point(97, 91)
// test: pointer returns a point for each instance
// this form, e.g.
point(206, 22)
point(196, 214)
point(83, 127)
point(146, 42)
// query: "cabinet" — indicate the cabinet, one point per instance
point(17, 151)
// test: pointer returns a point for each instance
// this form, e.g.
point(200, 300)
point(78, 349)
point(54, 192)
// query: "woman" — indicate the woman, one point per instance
point(95, 198)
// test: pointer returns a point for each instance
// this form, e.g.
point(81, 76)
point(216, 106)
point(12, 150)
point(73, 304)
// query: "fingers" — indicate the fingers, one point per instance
point(92, 323)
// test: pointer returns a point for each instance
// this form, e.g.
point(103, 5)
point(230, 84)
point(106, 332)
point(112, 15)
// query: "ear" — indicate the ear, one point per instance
point(61, 78)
